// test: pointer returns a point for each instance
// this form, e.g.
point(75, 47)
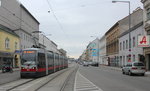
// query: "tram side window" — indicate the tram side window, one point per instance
point(50, 59)
point(41, 59)
point(56, 59)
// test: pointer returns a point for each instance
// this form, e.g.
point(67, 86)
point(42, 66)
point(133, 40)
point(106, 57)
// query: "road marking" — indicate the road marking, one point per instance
point(83, 84)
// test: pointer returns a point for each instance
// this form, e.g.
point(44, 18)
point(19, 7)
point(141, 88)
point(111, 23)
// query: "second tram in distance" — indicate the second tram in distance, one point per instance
point(36, 62)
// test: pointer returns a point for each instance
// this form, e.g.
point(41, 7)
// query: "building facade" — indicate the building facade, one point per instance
point(48, 44)
point(16, 17)
point(112, 45)
point(146, 20)
point(9, 43)
point(135, 52)
point(93, 50)
point(102, 51)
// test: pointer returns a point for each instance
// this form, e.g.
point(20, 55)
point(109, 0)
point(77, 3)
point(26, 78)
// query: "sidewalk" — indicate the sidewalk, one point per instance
point(119, 69)
point(14, 69)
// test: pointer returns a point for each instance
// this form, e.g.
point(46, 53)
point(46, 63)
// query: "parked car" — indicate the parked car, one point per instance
point(134, 68)
point(95, 64)
point(85, 64)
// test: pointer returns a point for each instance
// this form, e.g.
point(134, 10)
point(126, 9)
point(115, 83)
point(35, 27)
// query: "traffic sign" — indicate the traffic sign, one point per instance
point(143, 41)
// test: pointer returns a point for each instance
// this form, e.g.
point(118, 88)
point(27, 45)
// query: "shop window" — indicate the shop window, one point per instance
point(7, 43)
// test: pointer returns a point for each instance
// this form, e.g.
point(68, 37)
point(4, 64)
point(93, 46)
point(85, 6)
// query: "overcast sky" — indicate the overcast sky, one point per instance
point(72, 22)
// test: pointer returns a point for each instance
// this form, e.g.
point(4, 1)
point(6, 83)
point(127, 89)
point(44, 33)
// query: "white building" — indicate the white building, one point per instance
point(93, 50)
point(16, 17)
point(135, 51)
point(146, 20)
point(48, 44)
point(102, 51)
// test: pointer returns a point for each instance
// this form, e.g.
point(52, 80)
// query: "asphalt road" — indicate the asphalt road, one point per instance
point(8, 77)
point(112, 80)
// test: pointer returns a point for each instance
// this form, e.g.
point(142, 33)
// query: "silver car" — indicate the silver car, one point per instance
point(134, 68)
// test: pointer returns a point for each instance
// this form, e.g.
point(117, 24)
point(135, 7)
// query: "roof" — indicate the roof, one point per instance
point(116, 24)
point(131, 29)
point(29, 13)
point(8, 30)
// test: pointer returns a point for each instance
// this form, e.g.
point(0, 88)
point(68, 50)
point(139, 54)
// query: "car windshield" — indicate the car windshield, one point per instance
point(138, 64)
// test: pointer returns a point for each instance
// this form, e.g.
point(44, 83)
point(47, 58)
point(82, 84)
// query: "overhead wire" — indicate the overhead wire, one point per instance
point(61, 27)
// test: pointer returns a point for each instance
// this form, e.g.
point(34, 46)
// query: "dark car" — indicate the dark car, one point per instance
point(95, 64)
point(7, 68)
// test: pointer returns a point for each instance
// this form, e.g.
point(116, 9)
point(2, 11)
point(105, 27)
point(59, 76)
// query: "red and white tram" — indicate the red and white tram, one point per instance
point(36, 62)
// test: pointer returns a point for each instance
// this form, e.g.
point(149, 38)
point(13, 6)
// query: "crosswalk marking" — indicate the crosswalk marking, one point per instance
point(83, 84)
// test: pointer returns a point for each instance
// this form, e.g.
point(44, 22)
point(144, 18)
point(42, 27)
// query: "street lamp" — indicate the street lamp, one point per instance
point(128, 21)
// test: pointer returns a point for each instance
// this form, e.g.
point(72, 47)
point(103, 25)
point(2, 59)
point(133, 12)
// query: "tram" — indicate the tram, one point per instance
point(37, 62)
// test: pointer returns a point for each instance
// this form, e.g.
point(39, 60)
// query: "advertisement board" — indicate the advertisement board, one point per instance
point(143, 41)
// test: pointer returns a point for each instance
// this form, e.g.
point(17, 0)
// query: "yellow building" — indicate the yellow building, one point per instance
point(9, 44)
point(112, 44)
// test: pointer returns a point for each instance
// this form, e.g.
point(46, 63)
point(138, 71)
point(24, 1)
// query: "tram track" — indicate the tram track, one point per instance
point(67, 79)
point(52, 79)
point(59, 82)
point(35, 84)
point(9, 81)
point(14, 84)
point(29, 84)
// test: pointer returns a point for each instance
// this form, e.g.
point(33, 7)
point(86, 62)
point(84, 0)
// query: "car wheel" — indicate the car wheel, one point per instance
point(130, 73)
point(123, 72)
point(143, 74)
point(3, 71)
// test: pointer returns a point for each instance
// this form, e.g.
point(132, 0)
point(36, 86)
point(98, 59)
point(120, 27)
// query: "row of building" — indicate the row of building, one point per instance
point(19, 29)
point(123, 43)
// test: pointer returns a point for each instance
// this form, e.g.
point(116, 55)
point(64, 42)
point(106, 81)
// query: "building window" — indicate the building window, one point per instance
point(16, 45)
point(148, 14)
point(120, 46)
point(123, 45)
point(24, 37)
point(133, 58)
point(126, 44)
point(133, 41)
point(21, 35)
point(7, 43)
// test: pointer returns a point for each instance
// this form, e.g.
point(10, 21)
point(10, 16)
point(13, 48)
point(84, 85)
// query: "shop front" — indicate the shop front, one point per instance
point(6, 58)
point(147, 58)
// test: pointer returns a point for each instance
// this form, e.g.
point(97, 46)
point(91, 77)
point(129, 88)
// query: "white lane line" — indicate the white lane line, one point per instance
point(83, 84)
